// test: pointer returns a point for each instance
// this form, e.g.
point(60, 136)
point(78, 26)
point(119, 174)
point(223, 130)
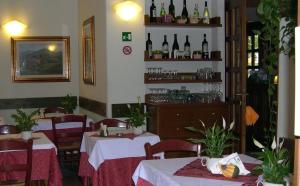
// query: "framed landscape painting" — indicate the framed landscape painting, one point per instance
point(41, 59)
point(88, 50)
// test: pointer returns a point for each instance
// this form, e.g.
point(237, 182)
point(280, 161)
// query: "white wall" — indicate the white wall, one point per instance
point(88, 8)
point(125, 77)
point(286, 89)
point(44, 18)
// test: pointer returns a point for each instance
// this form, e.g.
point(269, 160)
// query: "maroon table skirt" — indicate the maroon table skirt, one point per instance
point(110, 173)
point(45, 166)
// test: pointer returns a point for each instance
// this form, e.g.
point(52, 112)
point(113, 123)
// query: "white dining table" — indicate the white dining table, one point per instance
point(100, 149)
point(161, 173)
point(46, 124)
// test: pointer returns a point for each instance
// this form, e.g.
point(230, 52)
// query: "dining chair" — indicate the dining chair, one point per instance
point(52, 110)
point(8, 129)
point(171, 145)
point(17, 144)
point(110, 122)
point(68, 142)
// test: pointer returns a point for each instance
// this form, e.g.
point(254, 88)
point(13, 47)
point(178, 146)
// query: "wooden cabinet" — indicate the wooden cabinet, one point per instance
point(170, 120)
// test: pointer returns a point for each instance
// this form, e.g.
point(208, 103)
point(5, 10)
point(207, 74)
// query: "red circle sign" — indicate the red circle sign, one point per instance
point(127, 50)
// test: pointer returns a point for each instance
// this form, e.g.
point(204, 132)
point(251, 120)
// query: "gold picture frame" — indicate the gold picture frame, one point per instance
point(40, 58)
point(88, 50)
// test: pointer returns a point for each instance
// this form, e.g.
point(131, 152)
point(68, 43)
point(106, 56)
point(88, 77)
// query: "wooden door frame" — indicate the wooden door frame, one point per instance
point(296, 181)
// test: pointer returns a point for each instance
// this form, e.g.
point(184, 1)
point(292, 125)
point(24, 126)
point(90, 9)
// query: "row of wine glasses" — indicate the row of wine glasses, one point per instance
point(205, 73)
point(157, 73)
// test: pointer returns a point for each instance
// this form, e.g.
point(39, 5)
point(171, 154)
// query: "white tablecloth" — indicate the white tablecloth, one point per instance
point(160, 172)
point(46, 124)
point(100, 149)
point(40, 140)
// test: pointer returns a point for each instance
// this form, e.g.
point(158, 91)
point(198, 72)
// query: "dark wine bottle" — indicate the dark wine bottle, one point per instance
point(184, 13)
point(204, 48)
point(152, 12)
point(149, 46)
point(175, 46)
point(187, 48)
point(165, 48)
point(172, 9)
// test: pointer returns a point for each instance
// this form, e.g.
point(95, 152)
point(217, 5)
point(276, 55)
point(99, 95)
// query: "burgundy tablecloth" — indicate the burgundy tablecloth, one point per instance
point(115, 172)
point(142, 182)
point(45, 166)
point(195, 169)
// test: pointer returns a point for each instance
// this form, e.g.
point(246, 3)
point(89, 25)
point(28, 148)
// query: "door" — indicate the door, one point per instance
point(235, 71)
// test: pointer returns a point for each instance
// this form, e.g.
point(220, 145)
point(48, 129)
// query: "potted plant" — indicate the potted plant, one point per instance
point(69, 104)
point(215, 140)
point(275, 167)
point(25, 122)
point(136, 117)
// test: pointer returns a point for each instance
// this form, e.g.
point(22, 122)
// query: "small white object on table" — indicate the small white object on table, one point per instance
point(46, 124)
point(161, 172)
point(100, 149)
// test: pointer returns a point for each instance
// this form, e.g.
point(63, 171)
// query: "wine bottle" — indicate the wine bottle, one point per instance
point(165, 48)
point(204, 48)
point(152, 12)
point(184, 13)
point(172, 9)
point(175, 46)
point(206, 14)
point(149, 46)
point(162, 10)
point(196, 11)
point(187, 48)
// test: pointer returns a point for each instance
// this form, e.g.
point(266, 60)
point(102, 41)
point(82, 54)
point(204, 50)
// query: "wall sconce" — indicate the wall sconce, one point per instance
point(276, 79)
point(14, 27)
point(127, 9)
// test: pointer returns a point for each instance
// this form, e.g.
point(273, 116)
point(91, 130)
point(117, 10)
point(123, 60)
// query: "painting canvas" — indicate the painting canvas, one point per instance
point(41, 58)
point(88, 51)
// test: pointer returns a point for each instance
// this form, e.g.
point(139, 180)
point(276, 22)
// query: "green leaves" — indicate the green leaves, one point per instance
point(215, 139)
point(136, 115)
point(25, 121)
point(275, 164)
point(69, 103)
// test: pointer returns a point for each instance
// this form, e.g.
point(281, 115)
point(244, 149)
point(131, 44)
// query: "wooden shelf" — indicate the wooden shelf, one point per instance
point(182, 79)
point(214, 22)
point(215, 56)
point(180, 60)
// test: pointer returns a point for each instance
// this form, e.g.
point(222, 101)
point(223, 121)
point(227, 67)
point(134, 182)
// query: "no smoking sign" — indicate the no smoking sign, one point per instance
point(127, 50)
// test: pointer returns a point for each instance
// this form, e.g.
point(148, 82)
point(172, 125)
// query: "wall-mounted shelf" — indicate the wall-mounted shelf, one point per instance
point(182, 78)
point(214, 22)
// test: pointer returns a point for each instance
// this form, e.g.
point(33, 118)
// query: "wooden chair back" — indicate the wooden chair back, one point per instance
point(8, 129)
point(17, 144)
point(68, 136)
point(110, 122)
point(49, 110)
point(171, 145)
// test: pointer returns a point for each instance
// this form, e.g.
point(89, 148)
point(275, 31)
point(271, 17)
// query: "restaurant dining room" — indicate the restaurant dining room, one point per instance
point(149, 93)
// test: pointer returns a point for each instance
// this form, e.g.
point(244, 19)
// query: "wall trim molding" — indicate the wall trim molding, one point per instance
point(93, 106)
point(14, 103)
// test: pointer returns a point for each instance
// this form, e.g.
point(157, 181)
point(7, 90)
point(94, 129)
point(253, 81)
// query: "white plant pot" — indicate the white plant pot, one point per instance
point(26, 135)
point(271, 184)
point(138, 130)
point(212, 164)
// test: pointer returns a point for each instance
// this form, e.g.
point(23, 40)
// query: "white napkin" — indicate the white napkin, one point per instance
point(235, 159)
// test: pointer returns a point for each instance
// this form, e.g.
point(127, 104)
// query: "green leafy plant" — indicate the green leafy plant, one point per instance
point(68, 103)
point(215, 138)
point(136, 115)
point(25, 121)
point(275, 167)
